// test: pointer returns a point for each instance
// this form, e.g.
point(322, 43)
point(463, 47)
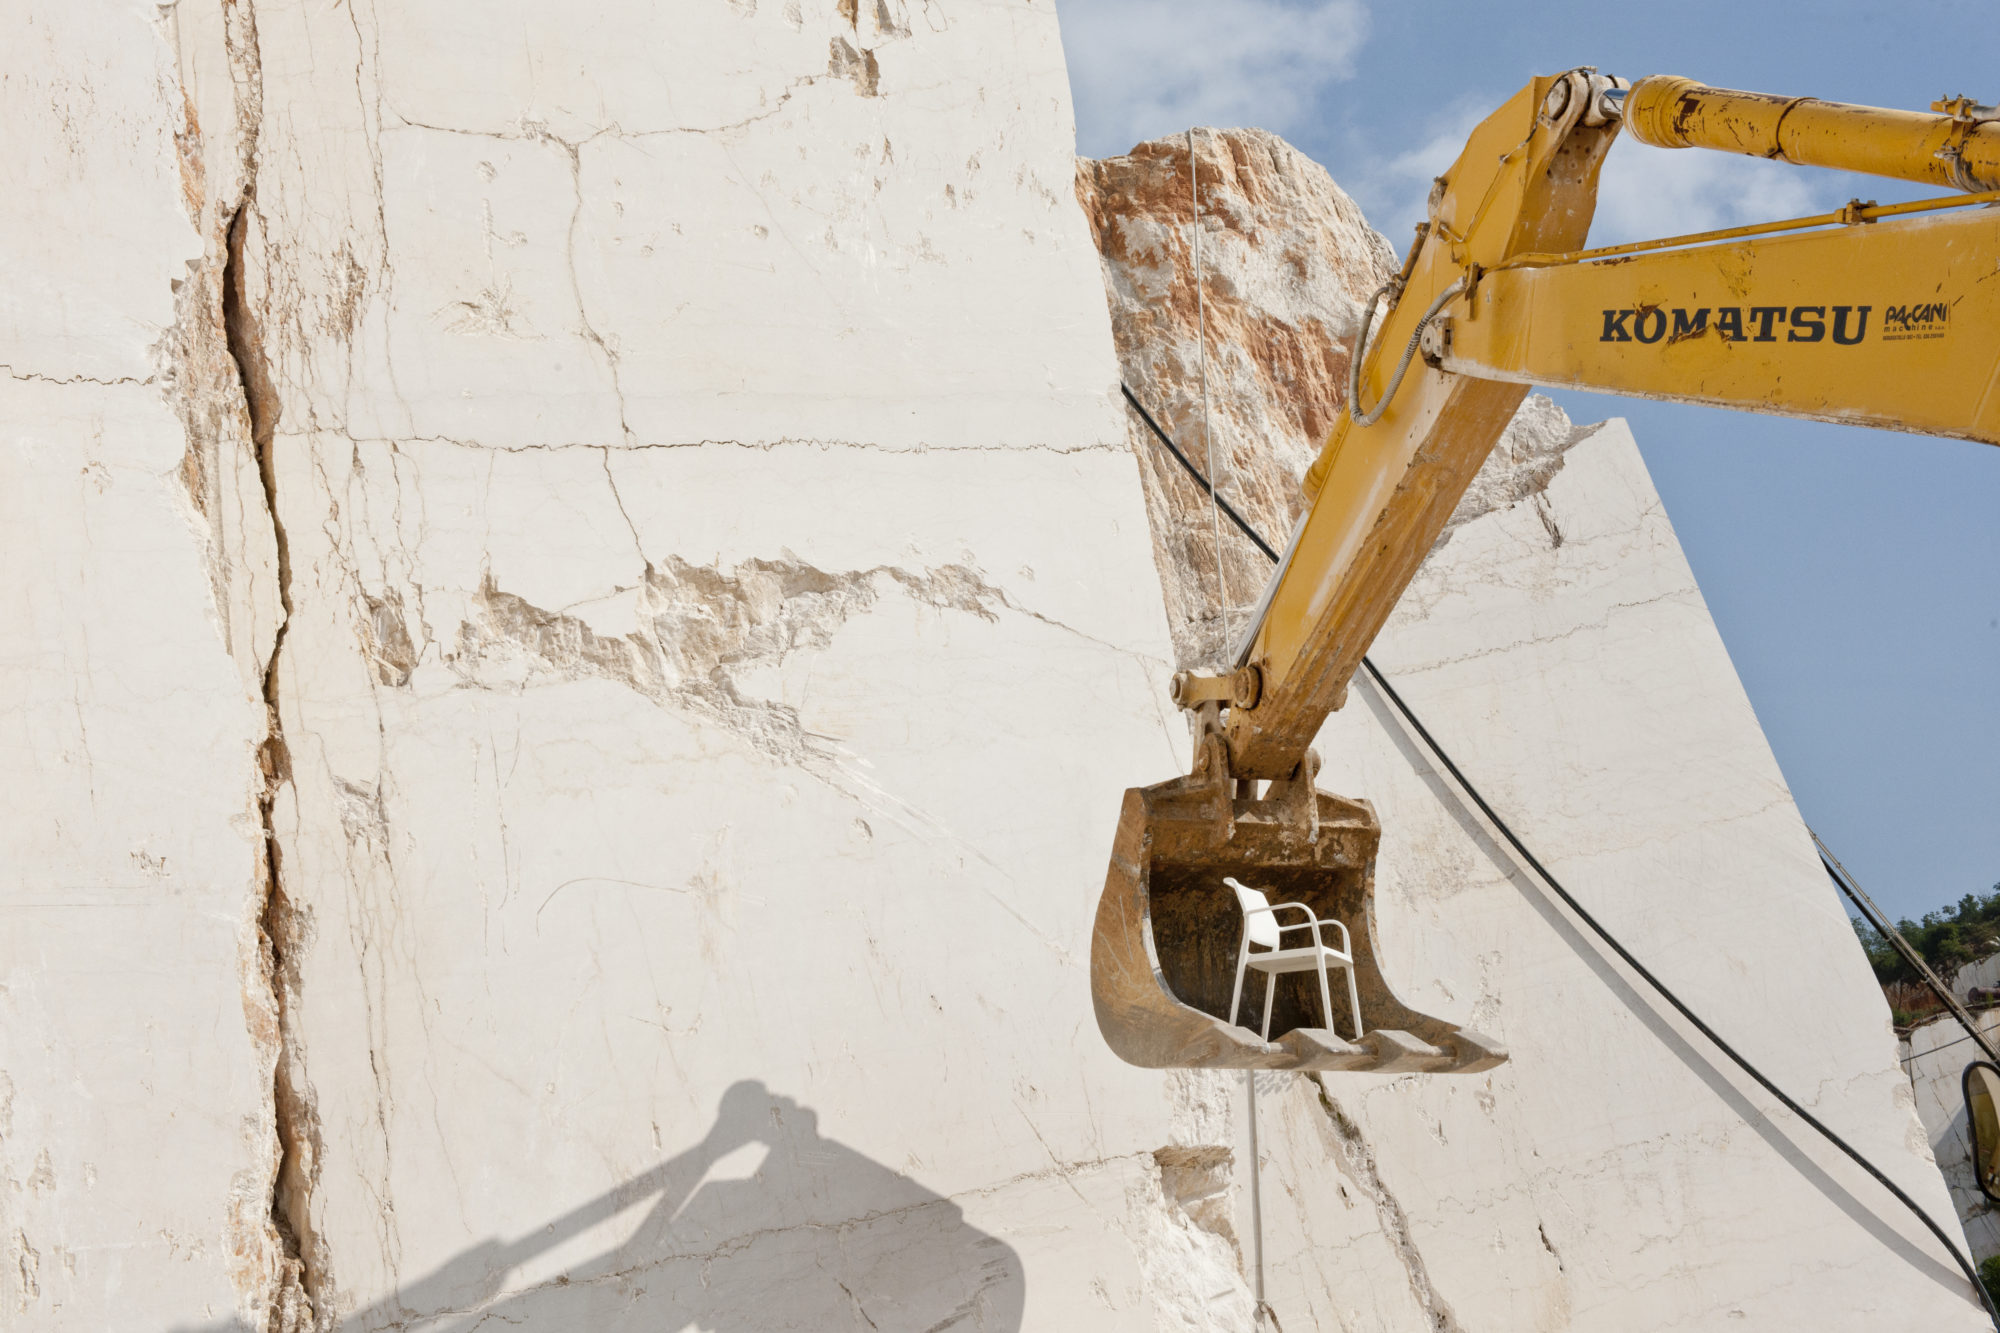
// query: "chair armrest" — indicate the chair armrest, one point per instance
point(1313, 922)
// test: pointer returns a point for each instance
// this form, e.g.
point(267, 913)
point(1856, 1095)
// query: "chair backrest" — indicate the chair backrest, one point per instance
point(1260, 923)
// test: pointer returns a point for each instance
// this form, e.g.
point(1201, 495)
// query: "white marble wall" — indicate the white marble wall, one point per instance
point(136, 1032)
point(721, 625)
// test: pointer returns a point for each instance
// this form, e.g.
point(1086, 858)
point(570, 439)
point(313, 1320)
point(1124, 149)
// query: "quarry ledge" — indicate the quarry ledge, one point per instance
point(1357, 1163)
point(36, 377)
point(813, 603)
point(525, 130)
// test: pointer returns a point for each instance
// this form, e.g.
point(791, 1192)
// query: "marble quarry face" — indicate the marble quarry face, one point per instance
point(584, 600)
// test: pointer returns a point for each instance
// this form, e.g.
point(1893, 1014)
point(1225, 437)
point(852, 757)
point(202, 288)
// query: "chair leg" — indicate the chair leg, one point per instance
point(1325, 996)
point(1236, 999)
point(1353, 998)
point(1270, 990)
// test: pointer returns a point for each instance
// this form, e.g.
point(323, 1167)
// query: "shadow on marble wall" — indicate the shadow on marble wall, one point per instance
point(763, 1225)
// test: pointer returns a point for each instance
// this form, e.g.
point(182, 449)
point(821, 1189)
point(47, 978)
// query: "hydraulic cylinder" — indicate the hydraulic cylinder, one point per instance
point(1960, 151)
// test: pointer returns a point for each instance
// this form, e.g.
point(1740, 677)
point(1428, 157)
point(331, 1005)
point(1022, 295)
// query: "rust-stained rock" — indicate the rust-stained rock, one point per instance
point(1287, 261)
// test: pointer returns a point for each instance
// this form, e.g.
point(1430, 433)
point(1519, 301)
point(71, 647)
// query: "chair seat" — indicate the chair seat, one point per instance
point(1297, 960)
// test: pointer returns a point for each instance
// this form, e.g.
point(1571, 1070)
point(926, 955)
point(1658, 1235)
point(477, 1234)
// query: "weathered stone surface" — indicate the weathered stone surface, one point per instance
point(711, 667)
point(574, 678)
point(137, 1030)
point(716, 626)
point(1287, 260)
point(1984, 974)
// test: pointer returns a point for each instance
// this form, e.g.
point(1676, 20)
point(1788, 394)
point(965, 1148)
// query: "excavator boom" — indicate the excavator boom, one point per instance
point(1882, 316)
point(1380, 494)
point(1885, 321)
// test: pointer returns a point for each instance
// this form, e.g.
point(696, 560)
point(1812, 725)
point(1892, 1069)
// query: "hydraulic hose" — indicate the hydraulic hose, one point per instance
point(1374, 414)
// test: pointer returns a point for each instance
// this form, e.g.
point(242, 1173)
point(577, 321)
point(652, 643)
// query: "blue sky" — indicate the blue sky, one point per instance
point(1854, 574)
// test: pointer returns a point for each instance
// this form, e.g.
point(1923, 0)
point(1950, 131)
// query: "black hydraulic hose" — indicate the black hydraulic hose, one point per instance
point(1374, 414)
point(1569, 901)
point(1195, 472)
point(1879, 922)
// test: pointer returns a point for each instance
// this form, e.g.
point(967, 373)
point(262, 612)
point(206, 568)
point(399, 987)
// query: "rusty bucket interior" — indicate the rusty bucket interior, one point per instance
point(1164, 956)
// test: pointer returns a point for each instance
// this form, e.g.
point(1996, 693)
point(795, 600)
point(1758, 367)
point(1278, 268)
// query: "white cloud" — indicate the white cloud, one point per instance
point(1403, 181)
point(1644, 192)
point(1648, 192)
point(1140, 69)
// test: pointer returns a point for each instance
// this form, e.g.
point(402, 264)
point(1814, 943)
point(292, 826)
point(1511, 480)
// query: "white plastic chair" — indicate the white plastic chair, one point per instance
point(1261, 928)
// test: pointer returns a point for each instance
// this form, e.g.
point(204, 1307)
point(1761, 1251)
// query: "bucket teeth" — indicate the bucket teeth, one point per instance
point(1218, 1045)
point(1316, 1048)
point(1215, 1044)
point(1163, 958)
point(1473, 1053)
point(1400, 1053)
point(1387, 1051)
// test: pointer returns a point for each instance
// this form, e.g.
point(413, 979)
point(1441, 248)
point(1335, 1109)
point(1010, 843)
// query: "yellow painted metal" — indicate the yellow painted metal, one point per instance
point(1380, 494)
point(1914, 349)
point(1895, 324)
point(1956, 151)
point(1981, 1084)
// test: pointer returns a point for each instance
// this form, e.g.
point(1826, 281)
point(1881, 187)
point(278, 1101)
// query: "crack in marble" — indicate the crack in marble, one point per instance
point(1357, 1163)
point(36, 377)
point(296, 1300)
point(1599, 624)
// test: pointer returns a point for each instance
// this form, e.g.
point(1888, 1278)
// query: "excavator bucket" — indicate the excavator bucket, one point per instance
point(1164, 956)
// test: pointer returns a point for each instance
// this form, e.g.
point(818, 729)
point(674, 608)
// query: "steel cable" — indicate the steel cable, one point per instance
point(1878, 921)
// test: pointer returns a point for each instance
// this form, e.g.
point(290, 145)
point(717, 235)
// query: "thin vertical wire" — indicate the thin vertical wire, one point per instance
point(1222, 609)
point(1208, 440)
point(1256, 1195)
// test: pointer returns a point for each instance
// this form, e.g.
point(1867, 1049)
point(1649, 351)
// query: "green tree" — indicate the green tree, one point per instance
point(1947, 938)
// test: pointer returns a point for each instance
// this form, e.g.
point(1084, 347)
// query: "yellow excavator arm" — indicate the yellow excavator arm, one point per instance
point(1872, 315)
